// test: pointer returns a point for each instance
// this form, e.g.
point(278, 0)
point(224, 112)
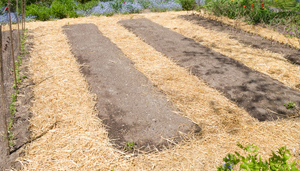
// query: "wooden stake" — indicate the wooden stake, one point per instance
point(12, 45)
point(3, 119)
point(22, 12)
point(19, 36)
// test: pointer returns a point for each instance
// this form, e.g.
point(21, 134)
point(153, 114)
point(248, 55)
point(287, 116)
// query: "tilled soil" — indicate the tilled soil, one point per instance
point(128, 104)
point(255, 41)
point(262, 96)
point(20, 129)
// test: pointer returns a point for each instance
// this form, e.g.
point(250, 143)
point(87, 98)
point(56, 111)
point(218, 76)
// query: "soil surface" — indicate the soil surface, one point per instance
point(128, 103)
point(21, 118)
point(262, 96)
point(255, 41)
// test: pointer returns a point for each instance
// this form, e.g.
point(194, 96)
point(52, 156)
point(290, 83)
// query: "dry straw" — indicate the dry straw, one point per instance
point(77, 140)
point(254, 29)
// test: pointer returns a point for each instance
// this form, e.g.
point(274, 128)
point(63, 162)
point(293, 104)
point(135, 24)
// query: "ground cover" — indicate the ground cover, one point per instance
point(246, 38)
point(75, 138)
point(127, 102)
point(251, 90)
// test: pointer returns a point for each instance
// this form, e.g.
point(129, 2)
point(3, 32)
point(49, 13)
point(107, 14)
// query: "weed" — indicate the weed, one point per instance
point(253, 162)
point(129, 145)
point(290, 105)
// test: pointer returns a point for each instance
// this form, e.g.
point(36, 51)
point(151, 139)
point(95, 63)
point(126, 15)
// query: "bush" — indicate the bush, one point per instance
point(40, 12)
point(188, 4)
point(63, 8)
point(277, 162)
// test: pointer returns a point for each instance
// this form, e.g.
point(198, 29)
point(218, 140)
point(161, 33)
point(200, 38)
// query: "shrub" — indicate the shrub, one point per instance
point(40, 12)
point(63, 8)
point(188, 4)
point(277, 162)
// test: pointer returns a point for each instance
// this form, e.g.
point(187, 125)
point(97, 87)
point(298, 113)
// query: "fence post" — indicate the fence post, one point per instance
point(12, 45)
point(22, 12)
point(19, 38)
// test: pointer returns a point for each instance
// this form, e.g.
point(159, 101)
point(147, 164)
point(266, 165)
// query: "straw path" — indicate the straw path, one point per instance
point(79, 142)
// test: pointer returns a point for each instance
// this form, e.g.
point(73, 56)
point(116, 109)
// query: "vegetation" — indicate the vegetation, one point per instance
point(277, 162)
point(12, 105)
point(258, 11)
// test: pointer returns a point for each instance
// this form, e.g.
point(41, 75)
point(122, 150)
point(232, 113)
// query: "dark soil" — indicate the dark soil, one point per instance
point(262, 96)
point(292, 54)
point(128, 104)
point(21, 118)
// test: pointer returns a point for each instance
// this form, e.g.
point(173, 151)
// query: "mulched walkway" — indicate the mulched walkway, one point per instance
point(128, 103)
point(262, 96)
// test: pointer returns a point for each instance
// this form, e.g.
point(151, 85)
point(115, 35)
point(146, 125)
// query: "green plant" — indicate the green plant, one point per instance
point(129, 145)
point(277, 162)
point(145, 3)
point(63, 8)
point(289, 105)
point(12, 105)
point(188, 4)
point(40, 12)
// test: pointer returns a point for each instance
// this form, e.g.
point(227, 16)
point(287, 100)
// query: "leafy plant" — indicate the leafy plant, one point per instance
point(40, 12)
point(129, 145)
point(188, 4)
point(290, 105)
point(277, 162)
point(63, 8)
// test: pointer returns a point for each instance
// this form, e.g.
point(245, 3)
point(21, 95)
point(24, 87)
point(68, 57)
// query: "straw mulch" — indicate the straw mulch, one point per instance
point(263, 32)
point(75, 138)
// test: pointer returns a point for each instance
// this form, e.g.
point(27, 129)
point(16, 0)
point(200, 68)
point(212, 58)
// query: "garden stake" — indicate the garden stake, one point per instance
point(19, 41)
point(3, 119)
point(24, 8)
point(12, 45)
point(22, 20)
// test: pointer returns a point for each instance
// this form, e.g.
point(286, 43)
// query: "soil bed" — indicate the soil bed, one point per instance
point(292, 54)
point(128, 104)
point(20, 129)
point(262, 96)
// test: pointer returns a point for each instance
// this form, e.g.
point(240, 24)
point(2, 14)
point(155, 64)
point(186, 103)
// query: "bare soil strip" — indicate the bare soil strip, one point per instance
point(20, 129)
point(262, 96)
point(127, 102)
point(246, 38)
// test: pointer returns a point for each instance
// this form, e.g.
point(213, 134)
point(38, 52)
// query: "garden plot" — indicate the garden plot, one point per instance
point(127, 102)
point(76, 138)
point(259, 94)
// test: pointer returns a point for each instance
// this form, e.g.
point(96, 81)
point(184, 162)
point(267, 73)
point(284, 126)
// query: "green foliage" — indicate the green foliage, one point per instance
point(290, 105)
point(188, 4)
point(40, 12)
point(144, 3)
point(63, 8)
point(129, 145)
point(283, 4)
point(87, 5)
point(251, 11)
point(277, 162)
